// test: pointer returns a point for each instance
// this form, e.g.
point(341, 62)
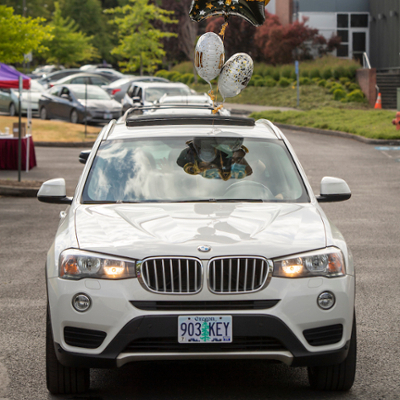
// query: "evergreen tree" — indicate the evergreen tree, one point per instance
point(139, 43)
point(205, 335)
point(69, 46)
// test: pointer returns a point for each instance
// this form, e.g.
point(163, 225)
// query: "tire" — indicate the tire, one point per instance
point(43, 113)
point(338, 377)
point(12, 110)
point(74, 117)
point(60, 379)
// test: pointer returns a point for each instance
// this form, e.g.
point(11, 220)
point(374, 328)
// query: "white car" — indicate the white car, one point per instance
point(197, 237)
point(146, 93)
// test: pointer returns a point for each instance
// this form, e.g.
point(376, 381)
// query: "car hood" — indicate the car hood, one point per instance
point(140, 230)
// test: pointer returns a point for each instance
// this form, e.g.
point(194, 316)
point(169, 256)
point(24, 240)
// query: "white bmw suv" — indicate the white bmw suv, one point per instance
point(197, 236)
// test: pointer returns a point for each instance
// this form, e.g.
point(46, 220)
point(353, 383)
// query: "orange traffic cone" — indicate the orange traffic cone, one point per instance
point(378, 104)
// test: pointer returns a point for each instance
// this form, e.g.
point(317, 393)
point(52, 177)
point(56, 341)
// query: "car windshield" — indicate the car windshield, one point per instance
point(93, 93)
point(193, 169)
point(155, 93)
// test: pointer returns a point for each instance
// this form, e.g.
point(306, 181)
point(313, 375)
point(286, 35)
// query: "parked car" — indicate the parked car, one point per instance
point(68, 102)
point(9, 99)
point(197, 227)
point(145, 93)
point(48, 80)
point(46, 69)
point(83, 78)
point(118, 88)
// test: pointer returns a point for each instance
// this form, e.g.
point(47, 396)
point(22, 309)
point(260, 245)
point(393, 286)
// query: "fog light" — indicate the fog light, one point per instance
point(81, 302)
point(326, 300)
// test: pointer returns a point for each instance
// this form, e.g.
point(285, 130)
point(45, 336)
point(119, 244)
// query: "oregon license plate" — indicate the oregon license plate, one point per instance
point(205, 329)
point(107, 116)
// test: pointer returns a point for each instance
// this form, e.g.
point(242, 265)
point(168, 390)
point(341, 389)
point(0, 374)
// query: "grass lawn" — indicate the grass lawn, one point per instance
point(374, 124)
point(54, 131)
point(311, 97)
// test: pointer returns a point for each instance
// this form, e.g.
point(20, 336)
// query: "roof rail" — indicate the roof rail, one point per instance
point(187, 119)
point(268, 123)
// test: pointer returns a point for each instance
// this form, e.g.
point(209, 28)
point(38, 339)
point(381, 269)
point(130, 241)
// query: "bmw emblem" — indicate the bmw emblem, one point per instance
point(204, 249)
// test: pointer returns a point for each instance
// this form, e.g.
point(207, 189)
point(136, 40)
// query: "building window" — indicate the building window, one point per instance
point(343, 20)
point(359, 20)
point(343, 50)
point(344, 35)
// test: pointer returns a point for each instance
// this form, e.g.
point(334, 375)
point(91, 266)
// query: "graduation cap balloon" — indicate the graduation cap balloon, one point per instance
point(252, 11)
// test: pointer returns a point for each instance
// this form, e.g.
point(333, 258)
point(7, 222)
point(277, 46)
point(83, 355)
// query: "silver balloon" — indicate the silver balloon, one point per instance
point(209, 56)
point(235, 75)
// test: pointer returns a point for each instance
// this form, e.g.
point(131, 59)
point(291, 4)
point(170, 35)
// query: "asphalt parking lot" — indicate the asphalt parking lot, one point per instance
point(369, 221)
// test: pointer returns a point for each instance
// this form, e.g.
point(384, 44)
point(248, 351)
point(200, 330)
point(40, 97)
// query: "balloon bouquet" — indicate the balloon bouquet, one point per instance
point(235, 74)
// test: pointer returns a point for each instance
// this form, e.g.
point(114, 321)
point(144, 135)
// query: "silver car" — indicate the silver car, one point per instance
point(9, 99)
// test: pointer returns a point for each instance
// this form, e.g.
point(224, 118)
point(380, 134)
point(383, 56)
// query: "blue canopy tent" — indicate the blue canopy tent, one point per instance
point(13, 79)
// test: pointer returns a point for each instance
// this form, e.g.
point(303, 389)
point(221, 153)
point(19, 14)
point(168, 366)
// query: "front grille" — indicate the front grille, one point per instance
point(170, 344)
point(87, 338)
point(238, 275)
point(172, 275)
point(324, 335)
point(204, 305)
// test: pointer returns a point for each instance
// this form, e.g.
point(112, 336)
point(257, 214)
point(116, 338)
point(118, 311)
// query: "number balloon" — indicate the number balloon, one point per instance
point(209, 56)
point(235, 75)
point(251, 10)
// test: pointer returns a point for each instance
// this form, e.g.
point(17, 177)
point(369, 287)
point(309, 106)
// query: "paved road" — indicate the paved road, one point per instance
point(369, 221)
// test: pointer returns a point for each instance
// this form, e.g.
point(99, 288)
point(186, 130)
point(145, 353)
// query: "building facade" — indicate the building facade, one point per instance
point(349, 19)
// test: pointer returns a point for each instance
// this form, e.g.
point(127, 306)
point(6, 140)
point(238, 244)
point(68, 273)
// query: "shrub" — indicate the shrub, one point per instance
point(351, 72)
point(329, 84)
point(175, 76)
point(276, 75)
point(326, 73)
point(314, 73)
point(305, 74)
point(339, 94)
point(322, 83)
point(344, 79)
point(187, 78)
point(339, 72)
point(316, 80)
point(353, 86)
point(305, 81)
point(293, 75)
point(336, 86)
point(284, 82)
point(356, 96)
point(259, 82)
point(269, 82)
point(286, 72)
point(162, 73)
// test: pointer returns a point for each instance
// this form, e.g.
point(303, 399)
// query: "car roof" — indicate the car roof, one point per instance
point(82, 74)
point(157, 125)
point(146, 85)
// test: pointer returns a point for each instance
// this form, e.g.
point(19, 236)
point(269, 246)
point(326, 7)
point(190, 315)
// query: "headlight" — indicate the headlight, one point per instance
point(77, 264)
point(327, 262)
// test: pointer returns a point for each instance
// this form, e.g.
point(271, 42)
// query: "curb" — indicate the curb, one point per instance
point(393, 142)
point(14, 191)
point(64, 144)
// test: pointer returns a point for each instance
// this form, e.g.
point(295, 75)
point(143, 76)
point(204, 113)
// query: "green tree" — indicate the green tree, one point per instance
point(31, 8)
point(91, 20)
point(19, 35)
point(139, 42)
point(69, 46)
point(205, 336)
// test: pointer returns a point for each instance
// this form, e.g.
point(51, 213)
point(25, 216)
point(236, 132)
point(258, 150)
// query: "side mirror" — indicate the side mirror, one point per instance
point(53, 191)
point(83, 156)
point(66, 97)
point(136, 99)
point(333, 189)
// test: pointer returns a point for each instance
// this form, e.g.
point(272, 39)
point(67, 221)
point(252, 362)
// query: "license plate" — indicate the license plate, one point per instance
point(107, 116)
point(205, 329)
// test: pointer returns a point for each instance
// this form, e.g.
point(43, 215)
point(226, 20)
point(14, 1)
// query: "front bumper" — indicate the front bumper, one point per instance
point(155, 338)
point(139, 325)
